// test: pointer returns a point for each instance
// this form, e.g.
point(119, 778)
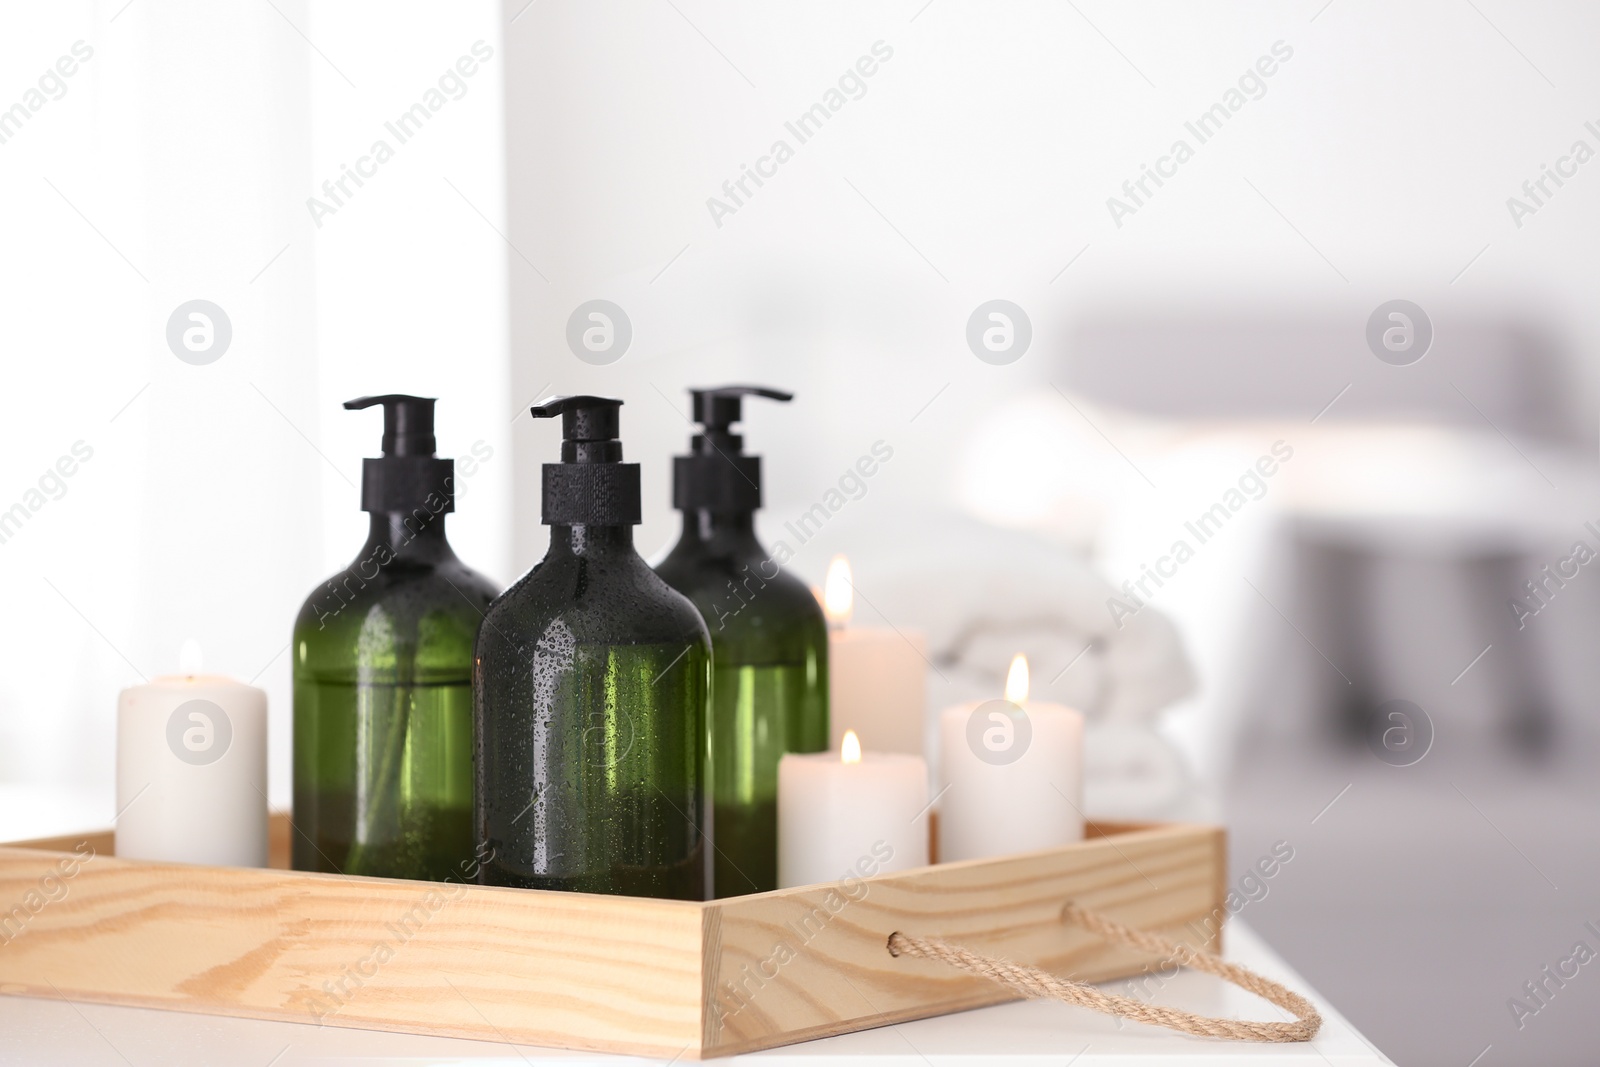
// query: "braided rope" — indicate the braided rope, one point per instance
point(1034, 983)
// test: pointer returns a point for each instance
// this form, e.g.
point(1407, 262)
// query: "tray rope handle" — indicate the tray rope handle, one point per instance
point(1037, 984)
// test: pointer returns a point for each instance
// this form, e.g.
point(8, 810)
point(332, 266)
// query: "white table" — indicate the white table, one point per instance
point(1024, 1034)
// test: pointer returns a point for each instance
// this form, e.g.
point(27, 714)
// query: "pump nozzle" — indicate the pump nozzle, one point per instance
point(407, 422)
point(717, 475)
point(409, 475)
point(590, 426)
point(585, 421)
point(719, 408)
point(591, 485)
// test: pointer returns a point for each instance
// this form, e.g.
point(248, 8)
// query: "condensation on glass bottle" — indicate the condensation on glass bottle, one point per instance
point(592, 684)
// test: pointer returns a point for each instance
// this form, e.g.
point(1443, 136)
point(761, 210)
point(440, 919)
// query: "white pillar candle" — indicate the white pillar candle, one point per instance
point(850, 814)
point(877, 677)
point(192, 771)
point(1011, 775)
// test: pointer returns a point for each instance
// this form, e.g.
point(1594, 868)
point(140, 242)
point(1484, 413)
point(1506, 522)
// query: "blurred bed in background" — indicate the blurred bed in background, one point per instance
point(1333, 534)
point(1315, 477)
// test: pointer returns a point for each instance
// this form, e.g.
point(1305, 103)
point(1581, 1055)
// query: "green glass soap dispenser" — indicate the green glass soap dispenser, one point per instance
point(591, 688)
point(382, 675)
point(769, 640)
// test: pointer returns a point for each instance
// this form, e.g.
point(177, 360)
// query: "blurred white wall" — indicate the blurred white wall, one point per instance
point(1375, 161)
point(175, 164)
point(977, 163)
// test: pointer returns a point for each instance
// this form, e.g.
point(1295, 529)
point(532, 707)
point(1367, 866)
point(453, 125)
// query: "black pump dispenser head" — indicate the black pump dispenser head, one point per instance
point(408, 475)
point(717, 475)
point(591, 486)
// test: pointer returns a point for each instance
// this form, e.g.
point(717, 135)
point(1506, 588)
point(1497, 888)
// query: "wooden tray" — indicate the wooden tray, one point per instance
point(613, 974)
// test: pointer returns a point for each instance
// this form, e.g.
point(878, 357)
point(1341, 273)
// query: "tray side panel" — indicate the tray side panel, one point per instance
point(811, 962)
point(587, 972)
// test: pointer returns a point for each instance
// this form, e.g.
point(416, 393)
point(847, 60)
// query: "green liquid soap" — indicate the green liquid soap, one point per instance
point(758, 714)
point(392, 767)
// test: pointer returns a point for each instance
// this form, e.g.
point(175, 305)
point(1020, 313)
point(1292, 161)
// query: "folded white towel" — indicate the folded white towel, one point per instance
point(982, 594)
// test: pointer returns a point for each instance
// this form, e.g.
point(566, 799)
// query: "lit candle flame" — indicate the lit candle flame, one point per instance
point(190, 661)
point(1017, 680)
point(838, 594)
point(850, 748)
